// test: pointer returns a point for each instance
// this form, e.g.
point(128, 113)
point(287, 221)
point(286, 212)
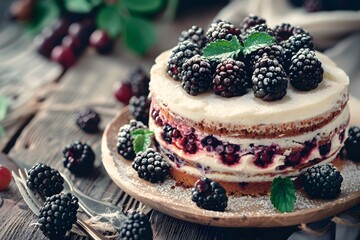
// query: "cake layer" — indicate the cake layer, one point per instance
point(212, 111)
point(246, 159)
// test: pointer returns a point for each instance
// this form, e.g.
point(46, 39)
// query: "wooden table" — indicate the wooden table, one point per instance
point(41, 135)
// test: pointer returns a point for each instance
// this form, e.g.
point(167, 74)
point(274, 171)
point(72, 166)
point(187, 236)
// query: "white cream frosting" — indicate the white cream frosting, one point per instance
point(247, 109)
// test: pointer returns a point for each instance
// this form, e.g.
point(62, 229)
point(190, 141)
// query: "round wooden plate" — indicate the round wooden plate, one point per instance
point(242, 211)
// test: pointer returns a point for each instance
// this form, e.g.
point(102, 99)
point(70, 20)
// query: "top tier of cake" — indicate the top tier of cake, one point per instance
point(332, 94)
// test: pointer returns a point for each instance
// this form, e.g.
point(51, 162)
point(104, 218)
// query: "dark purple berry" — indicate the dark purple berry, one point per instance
point(79, 158)
point(88, 120)
point(101, 41)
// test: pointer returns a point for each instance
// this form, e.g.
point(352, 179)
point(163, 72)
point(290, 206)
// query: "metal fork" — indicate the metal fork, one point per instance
point(34, 204)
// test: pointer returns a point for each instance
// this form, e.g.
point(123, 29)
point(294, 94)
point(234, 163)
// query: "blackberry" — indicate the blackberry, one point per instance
point(156, 117)
point(78, 158)
point(194, 34)
point(231, 79)
point(189, 143)
point(305, 71)
point(182, 52)
point(221, 29)
point(274, 51)
point(352, 144)
point(136, 226)
point(209, 195)
point(139, 108)
point(58, 214)
point(229, 153)
point(44, 180)
point(269, 80)
point(88, 120)
point(322, 181)
point(139, 82)
point(196, 75)
point(294, 44)
point(285, 30)
point(169, 133)
point(124, 139)
point(151, 166)
point(210, 143)
point(251, 21)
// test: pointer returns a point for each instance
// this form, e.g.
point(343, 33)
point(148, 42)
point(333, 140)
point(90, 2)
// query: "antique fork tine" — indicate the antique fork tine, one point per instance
point(34, 204)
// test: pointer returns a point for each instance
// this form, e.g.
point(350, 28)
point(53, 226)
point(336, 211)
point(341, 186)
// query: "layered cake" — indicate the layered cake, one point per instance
point(242, 141)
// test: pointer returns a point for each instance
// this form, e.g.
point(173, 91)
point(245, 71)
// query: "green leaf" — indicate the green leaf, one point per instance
point(257, 40)
point(282, 194)
point(45, 12)
point(139, 34)
point(141, 132)
point(142, 6)
point(221, 49)
point(109, 20)
point(142, 139)
point(81, 6)
point(4, 104)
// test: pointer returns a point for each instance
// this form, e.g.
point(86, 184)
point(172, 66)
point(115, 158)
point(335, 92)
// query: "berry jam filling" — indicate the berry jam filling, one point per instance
point(156, 117)
point(295, 158)
point(202, 168)
point(342, 136)
point(266, 155)
point(229, 154)
point(210, 143)
point(325, 149)
point(175, 159)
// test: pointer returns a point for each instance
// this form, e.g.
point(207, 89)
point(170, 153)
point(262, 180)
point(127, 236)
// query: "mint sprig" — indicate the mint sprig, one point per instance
point(142, 139)
point(282, 194)
point(222, 49)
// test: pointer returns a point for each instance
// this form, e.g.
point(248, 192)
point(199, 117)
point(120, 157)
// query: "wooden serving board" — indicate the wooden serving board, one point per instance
point(242, 211)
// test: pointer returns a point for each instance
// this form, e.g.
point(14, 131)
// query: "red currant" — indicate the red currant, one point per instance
point(101, 41)
point(5, 178)
point(63, 55)
point(124, 93)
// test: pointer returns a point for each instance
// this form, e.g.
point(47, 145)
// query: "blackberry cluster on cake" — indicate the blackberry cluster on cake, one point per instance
point(230, 72)
point(125, 141)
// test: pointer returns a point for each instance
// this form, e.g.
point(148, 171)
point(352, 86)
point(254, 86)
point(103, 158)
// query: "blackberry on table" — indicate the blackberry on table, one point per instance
point(124, 139)
point(136, 227)
point(294, 44)
point(196, 75)
point(151, 166)
point(274, 51)
point(182, 52)
point(306, 71)
point(78, 158)
point(88, 120)
point(44, 180)
point(139, 82)
point(139, 108)
point(58, 214)
point(209, 195)
point(269, 80)
point(221, 29)
point(352, 144)
point(322, 181)
point(251, 21)
point(231, 78)
point(285, 30)
point(194, 34)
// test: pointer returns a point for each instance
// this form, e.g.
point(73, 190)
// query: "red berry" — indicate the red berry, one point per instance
point(5, 178)
point(124, 93)
point(44, 45)
point(72, 42)
point(63, 55)
point(101, 41)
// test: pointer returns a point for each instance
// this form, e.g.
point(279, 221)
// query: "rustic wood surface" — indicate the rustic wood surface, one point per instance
point(40, 138)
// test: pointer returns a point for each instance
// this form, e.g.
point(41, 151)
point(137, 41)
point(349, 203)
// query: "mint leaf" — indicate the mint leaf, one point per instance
point(139, 34)
point(142, 5)
point(81, 6)
point(44, 13)
point(142, 139)
point(109, 20)
point(141, 132)
point(257, 40)
point(282, 194)
point(4, 104)
point(222, 49)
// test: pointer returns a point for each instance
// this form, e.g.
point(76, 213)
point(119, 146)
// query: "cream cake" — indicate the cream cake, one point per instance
point(244, 142)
